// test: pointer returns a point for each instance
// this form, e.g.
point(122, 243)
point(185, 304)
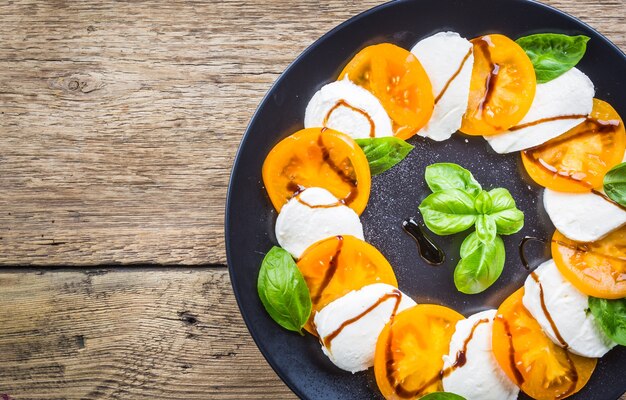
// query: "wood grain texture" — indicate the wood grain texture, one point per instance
point(119, 121)
point(128, 334)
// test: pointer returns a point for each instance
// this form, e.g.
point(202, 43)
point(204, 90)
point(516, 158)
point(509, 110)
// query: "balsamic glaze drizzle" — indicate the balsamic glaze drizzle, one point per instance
point(395, 294)
point(522, 247)
point(429, 251)
point(343, 103)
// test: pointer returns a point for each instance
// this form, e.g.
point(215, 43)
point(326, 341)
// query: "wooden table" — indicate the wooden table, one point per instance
point(119, 123)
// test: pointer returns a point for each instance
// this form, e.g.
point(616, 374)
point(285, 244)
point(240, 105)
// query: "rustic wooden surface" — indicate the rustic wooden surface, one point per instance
point(119, 121)
point(118, 127)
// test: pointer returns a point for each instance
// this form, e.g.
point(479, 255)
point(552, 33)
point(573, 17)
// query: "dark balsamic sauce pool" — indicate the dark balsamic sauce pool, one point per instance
point(428, 249)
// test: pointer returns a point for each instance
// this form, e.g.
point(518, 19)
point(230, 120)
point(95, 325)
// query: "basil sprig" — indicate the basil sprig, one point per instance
point(553, 54)
point(383, 153)
point(457, 203)
point(611, 316)
point(442, 396)
point(283, 290)
point(615, 184)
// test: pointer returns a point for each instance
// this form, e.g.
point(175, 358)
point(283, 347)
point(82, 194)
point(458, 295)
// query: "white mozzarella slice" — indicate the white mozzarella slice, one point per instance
point(568, 308)
point(481, 378)
point(353, 347)
point(442, 55)
point(302, 222)
point(584, 217)
point(348, 108)
point(568, 95)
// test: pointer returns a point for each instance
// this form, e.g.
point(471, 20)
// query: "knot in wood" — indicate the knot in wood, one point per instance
point(187, 318)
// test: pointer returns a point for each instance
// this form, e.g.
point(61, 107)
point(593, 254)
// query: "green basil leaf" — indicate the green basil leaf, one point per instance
point(481, 264)
point(442, 396)
point(485, 228)
point(383, 153)
point(501, 200)
point(504, 212)
point(443, 176)
point(615, 184)
point(283, 290)
point(553, 54)
point(611, 316)
point(508, 221)
point(448, 211)
point(483, 203)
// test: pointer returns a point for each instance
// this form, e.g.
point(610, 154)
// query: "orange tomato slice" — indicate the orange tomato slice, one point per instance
point(578, 160)
point(598, 268)
point(409, 351)
point(338, 265)
point(542, 369)
point(502, 87)
point(397, 79)
point(318, 157)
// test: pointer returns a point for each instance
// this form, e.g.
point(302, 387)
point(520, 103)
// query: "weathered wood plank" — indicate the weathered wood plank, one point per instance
point(119, 121)
point(128, 334)
point(140, 334)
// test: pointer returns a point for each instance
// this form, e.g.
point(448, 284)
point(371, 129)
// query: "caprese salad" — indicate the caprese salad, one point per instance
point(523, 95)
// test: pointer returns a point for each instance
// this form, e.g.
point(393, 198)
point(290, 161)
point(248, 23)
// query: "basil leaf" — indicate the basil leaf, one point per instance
point(283, 290)
point(481, 264)
point(501, 200)
point(483, 203)
point(553, 54)
point(383, 153)
point(611, 316)
point(442, 396)
point(504, 212)
point(443, 176)
point(615, 184)
point(485, 228)
point(509, 221)
point(448, 211)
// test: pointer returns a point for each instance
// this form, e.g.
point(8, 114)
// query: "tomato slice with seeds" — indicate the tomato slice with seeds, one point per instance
point(598, 268)
point(338, 265)
point(502, 87)
point(318, 157)
point(409, 351)
point(396, 77)
point(578, 160)
point(542, 369)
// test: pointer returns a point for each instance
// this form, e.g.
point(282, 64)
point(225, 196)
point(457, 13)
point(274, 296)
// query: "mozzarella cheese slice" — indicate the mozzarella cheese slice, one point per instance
point(481, 378)
point(584, 217)
point(568, 95)
point(568, 309)
point(448, 61)
point(348, 108)
point(311, 216)
point(354, 343)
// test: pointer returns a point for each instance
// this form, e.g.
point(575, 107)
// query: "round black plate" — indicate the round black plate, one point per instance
point(395, 194)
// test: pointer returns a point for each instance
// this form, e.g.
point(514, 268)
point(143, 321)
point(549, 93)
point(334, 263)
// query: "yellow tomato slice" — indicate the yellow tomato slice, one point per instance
point(335, 266)
point(318, 157)
point(598, 268)
point(397, 79)
point(578, 160)
point(408, 360)
point(502, 87)
point(539, 367)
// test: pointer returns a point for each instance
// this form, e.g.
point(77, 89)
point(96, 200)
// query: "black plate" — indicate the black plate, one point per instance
point(395, 195)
